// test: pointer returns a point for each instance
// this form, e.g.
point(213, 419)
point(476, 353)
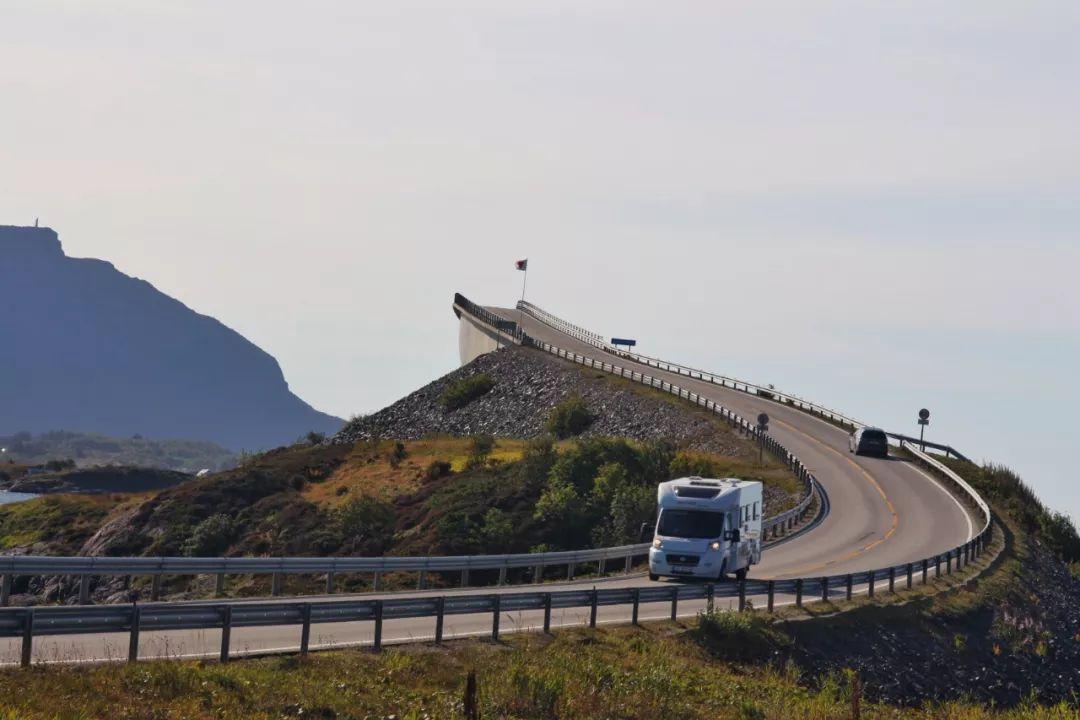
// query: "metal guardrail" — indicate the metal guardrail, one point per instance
point(766, 393)
point(26, 623)
point(501, 325)
point(39, 565)
point(951, 476)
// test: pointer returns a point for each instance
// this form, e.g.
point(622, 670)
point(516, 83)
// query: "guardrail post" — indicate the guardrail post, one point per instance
point(5, 590)
point(538, 573)
point(593, 603)
point(547, 613)
point(305, 629)
point(948, 563)
point(628, 565)
point(798, 593)
point(27, 637)
point(219, 585)
point(133, 639)
point(226, 632)
point(378, 625)
point(870, 586)
point(570, 571)
point(772, 595)
point(849, 581)
point(84, 590)
point(275, 584)
point(636, 594)
point(465, 577)
point(824, 589)
point(600, 567)
point(440, 612)
point(937, 566)
point(742, 595)
point(910, 571)
point(674, 602)
point(496, 602)
point(330, 582)
point(892, 580)
point(710, 594)
point(502, 576)
point(378, 580)
point(155, 587)
point(925, 568)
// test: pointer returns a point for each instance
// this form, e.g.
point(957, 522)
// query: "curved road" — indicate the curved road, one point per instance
point(883, 512)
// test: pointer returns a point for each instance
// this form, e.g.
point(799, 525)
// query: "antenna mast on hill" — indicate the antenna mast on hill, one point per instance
point(35, 222)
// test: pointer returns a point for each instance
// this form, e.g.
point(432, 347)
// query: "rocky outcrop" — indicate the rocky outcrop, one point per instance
point(86, 348)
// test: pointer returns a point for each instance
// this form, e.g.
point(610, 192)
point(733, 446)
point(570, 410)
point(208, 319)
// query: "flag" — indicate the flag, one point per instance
point(522, 264)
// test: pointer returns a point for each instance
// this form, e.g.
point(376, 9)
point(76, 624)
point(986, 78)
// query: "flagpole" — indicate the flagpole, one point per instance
point(524, 279)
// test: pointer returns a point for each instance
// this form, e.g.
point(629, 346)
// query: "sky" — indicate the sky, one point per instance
point(874, 205)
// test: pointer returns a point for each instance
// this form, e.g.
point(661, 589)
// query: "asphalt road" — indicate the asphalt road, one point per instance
point(882, 512)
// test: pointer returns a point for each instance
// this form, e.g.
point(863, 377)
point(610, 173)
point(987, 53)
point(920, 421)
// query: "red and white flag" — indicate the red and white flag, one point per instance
point(522, 264)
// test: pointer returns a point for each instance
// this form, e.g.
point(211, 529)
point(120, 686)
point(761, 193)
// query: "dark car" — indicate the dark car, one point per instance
point(869, 441)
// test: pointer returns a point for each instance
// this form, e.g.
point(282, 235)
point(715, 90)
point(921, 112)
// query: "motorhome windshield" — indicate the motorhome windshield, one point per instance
point(690, 524)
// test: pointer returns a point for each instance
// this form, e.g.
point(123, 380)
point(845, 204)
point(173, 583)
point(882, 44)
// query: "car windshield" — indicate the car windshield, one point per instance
point(690, 524)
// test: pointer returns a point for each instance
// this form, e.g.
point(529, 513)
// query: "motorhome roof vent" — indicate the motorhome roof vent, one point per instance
point(697, 490)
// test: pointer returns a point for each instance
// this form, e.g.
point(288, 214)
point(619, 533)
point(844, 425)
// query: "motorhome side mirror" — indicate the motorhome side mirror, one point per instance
point(731, 535)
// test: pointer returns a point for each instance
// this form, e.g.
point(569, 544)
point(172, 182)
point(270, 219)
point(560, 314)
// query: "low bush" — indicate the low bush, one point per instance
point(462, 392)
point(436, 469)
point(569, 418)
point(737, 636)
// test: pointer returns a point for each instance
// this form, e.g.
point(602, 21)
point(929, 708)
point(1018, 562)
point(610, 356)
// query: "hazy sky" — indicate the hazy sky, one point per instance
point(875, 205)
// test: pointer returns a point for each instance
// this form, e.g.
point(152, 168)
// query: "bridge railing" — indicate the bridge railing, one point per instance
point(765, 392)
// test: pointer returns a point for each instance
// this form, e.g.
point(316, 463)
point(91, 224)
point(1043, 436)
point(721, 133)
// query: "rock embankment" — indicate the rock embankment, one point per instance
point(1025, 644)
point(527, 387)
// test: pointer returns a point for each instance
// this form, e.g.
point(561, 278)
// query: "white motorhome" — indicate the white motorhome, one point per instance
point(706, 528)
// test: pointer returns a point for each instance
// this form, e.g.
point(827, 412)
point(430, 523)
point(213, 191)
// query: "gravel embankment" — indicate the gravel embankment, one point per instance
point(528, 385)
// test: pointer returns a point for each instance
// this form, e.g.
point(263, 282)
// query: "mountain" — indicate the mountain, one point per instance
point(84, 347)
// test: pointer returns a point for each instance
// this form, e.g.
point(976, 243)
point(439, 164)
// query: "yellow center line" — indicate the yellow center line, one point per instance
point(868, 476)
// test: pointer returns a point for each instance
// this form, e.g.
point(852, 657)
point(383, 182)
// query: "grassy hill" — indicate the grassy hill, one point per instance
point(437, 496)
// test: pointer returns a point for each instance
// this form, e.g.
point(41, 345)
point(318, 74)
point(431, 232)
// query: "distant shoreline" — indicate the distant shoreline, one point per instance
point(6, 498)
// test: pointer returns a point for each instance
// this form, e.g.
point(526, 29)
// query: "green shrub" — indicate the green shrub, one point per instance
point(398, 454)
point(479, 449)
point(210, 538)
point(365, 525)
point(462, 392)
point(570, 417)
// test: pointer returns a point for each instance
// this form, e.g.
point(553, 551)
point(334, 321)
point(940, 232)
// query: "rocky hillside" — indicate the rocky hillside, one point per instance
point(89, 349)
point(526, 385)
